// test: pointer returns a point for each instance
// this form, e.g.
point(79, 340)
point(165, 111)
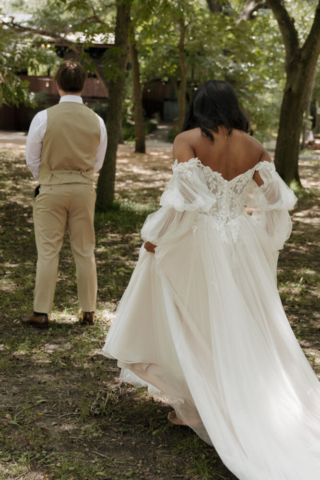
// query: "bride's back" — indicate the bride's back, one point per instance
point(214, 131)
point(229, 154)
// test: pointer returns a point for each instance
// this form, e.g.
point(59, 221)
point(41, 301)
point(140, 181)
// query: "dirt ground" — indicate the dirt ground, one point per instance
point(64, 413)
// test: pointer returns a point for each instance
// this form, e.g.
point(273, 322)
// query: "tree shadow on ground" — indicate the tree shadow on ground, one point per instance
point(64, 413)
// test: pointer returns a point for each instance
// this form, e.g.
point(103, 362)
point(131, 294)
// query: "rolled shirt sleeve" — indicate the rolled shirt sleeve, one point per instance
point(34, 142)
point(101, 152)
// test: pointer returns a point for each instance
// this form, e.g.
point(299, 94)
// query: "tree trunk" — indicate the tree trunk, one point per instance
point(300, 66)
point(137, 96)
point(183, 77)
point(317, 130)
point(299, 76)
point(121, 139)
point(106, 182)
point(306, 121)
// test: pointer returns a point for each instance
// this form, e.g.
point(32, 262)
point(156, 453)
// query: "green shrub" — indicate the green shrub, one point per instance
point(100, 108)
point(150, 126)
point(128, 129)
point(173, 132)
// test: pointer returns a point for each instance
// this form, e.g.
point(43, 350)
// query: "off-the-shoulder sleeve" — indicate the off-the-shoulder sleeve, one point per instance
point(187, 194)
point(271, 202)
point(187, 189)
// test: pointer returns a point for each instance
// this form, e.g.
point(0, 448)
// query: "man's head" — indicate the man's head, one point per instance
point(70, 78)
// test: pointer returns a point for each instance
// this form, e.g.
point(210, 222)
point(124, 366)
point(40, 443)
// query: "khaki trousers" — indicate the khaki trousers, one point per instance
point(55, 208)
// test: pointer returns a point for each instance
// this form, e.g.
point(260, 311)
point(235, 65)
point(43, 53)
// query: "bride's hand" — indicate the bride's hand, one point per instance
point(150, 247)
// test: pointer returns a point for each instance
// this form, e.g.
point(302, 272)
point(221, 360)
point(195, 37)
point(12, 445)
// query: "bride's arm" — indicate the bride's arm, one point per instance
point(186, 195)
point(271, 202)
point(183, 152)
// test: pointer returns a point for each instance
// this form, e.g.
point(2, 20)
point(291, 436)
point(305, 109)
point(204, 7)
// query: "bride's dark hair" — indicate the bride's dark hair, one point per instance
point(215, 104)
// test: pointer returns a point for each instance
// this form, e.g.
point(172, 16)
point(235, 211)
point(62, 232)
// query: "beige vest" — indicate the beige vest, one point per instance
point(70, 145)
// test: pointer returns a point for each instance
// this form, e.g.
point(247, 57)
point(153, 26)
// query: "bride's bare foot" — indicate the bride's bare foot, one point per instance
point(173, 418)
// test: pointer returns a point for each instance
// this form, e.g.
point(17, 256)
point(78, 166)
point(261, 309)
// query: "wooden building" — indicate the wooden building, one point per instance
point(158, 99)
point(19, 118)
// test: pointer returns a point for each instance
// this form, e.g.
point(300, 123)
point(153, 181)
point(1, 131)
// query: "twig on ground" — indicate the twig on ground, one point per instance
point(114, 461)
point(68, 414)
point(60, 416)
point(28, 408)
point(101, 455)
point(22, 474)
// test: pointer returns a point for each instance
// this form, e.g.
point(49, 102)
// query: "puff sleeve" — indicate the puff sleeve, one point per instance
point(187, 195)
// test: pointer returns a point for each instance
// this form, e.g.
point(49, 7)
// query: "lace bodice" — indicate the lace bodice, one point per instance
point(205, 194)
point(230, 195)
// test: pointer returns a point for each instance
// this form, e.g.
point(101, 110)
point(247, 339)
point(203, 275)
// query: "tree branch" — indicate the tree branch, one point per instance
point(311, 47)
point(108, 5)
point(287, 28)
point(93, 18)
point(216, 6)
point(56, 36)
point(249, 8)
point(21, 29)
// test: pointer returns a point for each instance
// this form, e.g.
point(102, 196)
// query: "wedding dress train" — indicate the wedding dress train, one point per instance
point(202, 321)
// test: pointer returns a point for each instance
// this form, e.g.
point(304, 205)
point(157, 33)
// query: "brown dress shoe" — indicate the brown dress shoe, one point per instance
point(87, 318)
point(38, 321)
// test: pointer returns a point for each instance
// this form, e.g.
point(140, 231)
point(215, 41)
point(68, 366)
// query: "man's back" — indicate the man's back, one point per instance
point(70, 143)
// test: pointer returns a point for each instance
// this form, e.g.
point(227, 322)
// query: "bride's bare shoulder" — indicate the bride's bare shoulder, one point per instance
point(183, 145)
point(188, 144)
point(252, 145)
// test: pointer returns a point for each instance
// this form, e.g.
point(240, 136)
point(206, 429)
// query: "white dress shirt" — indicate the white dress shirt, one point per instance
point(38, 129)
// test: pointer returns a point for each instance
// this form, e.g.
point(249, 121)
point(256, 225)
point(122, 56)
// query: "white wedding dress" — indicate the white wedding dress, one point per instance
point(202, 321)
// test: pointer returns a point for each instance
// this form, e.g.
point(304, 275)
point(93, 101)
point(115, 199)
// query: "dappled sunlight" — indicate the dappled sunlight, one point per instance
point(143, 175)
point(310, 173)
point(64, 412)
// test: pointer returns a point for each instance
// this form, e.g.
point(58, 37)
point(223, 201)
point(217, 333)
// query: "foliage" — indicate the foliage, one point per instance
point(18, 52)
point(249, 55)
point(99, 108)
point(128, 129)
point(77, 25)
point(173, 132)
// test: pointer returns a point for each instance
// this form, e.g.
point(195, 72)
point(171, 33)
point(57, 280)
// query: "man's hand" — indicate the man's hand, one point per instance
point(150, 247)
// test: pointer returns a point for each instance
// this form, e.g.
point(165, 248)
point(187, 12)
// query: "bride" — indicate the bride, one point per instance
point(201, 319)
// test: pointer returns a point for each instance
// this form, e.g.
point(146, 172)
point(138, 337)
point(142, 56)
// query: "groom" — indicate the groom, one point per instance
point(66, 145)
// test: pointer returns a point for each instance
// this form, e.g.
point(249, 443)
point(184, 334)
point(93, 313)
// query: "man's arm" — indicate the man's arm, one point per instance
point(101, 152)
point(34, 142)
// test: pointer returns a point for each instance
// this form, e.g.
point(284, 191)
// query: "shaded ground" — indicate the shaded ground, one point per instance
point(63, 412)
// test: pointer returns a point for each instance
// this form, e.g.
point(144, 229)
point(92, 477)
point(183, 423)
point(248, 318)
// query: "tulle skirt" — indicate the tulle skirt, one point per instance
point(202, 321)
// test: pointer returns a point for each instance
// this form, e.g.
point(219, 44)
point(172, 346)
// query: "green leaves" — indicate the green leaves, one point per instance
point(250, 54)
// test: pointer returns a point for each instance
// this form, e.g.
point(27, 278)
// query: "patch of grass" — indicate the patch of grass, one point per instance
point(54, 384)
point(302, 192)
point(124, 216)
